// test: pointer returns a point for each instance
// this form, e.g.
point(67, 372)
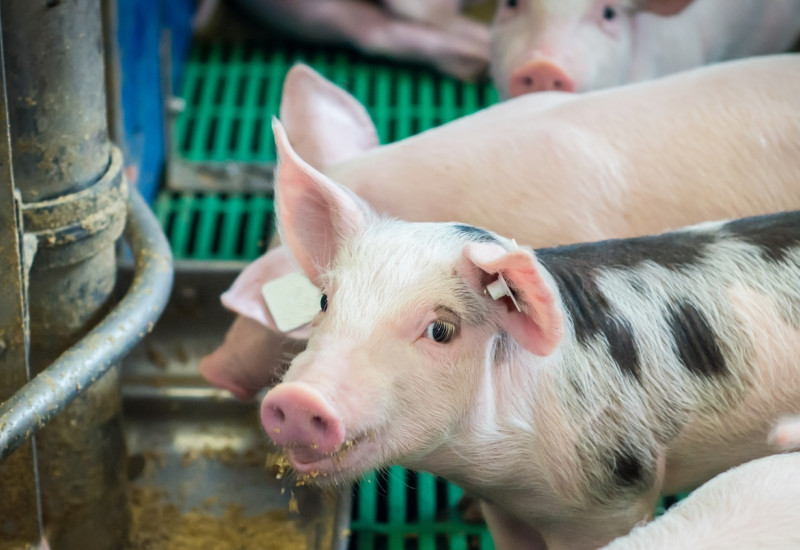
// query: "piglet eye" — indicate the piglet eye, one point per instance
point(441, 331)
point(511, 3)
point(609, 13)
point(323, 302)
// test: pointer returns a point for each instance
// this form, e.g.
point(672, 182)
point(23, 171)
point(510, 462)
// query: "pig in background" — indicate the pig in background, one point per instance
point(584, 45)
point(755, 506)
point(545, 169)
point(607, 374)
point(431, 32)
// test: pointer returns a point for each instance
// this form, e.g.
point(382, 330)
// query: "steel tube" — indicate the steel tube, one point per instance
point(53, 389)
point(56, 95)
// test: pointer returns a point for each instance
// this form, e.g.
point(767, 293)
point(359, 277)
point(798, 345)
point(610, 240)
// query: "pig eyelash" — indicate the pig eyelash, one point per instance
point(441, 332)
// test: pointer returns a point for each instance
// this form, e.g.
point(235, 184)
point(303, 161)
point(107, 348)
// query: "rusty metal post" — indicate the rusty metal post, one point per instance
point(74, 198)
point(20, 526)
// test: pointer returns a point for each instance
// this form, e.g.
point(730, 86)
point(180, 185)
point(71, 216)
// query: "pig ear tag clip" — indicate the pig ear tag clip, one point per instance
point(499, 288)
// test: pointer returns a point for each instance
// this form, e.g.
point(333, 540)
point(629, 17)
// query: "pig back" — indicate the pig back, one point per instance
point(715, 143)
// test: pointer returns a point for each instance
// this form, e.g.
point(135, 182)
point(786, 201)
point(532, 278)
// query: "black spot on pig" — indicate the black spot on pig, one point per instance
point(774, 234)
point(621, 469)
point(695, 341)
point(674, 250)
point(592, 316)
point(475, 234)
point(576, 267)
point(626, 468)
point(501, 348)
point(622, 345)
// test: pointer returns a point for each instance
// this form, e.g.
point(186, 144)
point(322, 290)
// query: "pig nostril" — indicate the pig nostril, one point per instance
point(279, 414)
point(319, 423)
point(558, 84)
point(527, 81)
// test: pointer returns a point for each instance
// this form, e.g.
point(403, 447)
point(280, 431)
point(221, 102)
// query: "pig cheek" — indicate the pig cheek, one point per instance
point(610, 47)
point(448, 378)
point(509, 46)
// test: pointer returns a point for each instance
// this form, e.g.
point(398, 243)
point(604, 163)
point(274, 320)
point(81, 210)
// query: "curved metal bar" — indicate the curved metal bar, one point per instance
point(76, 369)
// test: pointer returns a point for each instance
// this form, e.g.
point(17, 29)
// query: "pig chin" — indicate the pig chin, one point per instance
point(351, 460)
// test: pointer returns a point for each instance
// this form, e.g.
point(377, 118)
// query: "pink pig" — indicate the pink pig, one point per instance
point(546, 169)
point(567, 387)
point(753, 506)
point(584, 45)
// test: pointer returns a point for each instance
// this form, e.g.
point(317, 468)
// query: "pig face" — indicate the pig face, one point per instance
point(547, 45)
point(389, 338)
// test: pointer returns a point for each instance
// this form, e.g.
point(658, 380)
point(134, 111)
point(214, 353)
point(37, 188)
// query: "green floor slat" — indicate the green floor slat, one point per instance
point(259, 220)
point(184, 129)
point(228, 109)
point(256, 71)
point(230, 226)
point(367, 510)
point(204, 114)
point(209, 207)
point(182, 226)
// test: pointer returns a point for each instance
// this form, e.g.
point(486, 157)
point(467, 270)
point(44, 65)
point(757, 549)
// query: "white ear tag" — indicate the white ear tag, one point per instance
point(292, 300)
point(499, 288)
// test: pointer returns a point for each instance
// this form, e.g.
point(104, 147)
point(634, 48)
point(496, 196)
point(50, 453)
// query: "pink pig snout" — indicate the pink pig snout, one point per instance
point(539, 76)
point(294, 414)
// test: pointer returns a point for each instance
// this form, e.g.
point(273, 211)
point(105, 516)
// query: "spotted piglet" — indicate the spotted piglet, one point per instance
point(567, 387)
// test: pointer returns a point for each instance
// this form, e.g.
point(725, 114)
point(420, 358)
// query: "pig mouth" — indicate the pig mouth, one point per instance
point(350, 459)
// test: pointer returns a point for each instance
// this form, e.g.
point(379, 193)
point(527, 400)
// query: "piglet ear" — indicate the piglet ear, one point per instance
point(662, 7)
point(316, 214)
point(537, 325)
point(325, 124)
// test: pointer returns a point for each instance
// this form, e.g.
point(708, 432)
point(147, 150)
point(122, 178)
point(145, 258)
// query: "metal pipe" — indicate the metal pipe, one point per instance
point(84, 363)
point(56, 95)
point(74, 194)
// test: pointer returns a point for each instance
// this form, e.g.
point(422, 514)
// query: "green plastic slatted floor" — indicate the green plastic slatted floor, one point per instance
point(231, 91)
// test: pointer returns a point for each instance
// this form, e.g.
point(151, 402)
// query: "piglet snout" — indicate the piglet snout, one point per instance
point(540, 76)
point(297, 415)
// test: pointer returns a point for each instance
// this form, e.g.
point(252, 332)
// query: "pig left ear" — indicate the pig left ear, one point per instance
point(316, 214)
point(531, 315)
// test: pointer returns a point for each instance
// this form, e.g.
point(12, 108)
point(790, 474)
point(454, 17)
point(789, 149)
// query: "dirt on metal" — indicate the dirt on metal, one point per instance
point(159, 524)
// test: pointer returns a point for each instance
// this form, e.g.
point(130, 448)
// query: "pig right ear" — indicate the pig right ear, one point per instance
point(663, 7)
point(326, 125)
point(529, 311)
point(316, 214)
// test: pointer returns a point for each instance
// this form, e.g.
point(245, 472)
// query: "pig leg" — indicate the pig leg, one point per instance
point(375, 31)
point(443, 14)
point(510, 533)
point(250, 359)
point(428, 11)
point(254, 350)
